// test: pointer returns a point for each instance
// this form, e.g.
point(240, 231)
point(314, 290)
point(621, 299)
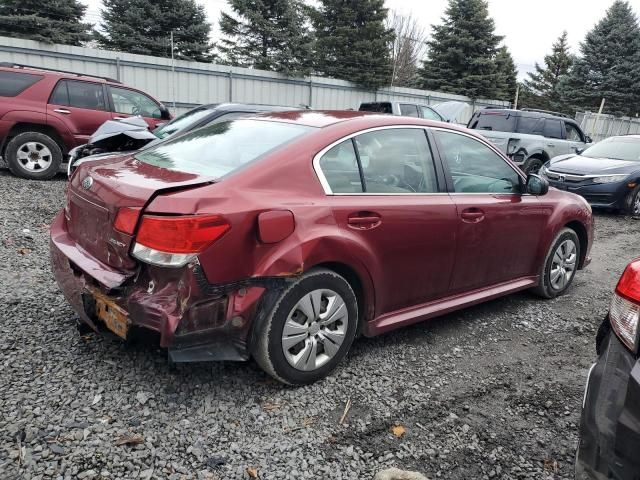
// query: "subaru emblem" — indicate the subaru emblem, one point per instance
point(87, 182)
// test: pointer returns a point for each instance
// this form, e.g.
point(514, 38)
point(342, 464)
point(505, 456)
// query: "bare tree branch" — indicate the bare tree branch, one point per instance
point(407, 49)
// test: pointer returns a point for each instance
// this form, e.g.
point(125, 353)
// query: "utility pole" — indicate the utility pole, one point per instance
point(515, 101)
point(173, 75)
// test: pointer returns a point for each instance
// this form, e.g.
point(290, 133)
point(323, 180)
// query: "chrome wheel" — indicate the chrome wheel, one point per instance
point(563, 264)
point(34, 156)
point(635, 208)
point(315, 329)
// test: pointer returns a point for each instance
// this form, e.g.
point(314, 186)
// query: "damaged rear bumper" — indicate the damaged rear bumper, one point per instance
point(195, 321)
point(610, 429)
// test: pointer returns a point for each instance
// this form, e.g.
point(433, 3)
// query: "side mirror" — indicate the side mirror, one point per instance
point(588, 139)
point(165, 114)
point(536, 185)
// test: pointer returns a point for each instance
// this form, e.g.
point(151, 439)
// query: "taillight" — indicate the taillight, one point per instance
point(126, 220)
point(625, 306)
point(173, 241)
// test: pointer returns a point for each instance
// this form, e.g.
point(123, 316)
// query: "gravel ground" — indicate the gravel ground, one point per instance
point(491, 392)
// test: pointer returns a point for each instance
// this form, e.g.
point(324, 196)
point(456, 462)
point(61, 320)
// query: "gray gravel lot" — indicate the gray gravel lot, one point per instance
point(491, 392)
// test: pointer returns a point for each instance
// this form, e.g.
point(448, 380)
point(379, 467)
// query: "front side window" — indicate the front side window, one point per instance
point(408, 110)
point(221, 148)
point(89, 96)
point(130, 102)
point(474, 167)
point(396, 160)
point(14, 83)
point(573, 134)
point(430, 114)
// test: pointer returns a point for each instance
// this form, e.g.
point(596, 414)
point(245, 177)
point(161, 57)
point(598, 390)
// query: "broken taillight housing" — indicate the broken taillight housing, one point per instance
point(624, 313)
point(174, 241)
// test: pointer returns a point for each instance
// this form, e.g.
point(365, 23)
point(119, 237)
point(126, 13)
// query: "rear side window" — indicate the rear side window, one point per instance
point(529, 125)
point(378, 107)
point(340, 168)
point(408, 110)
point(84, 95)
point(552, 128)
point(497, 122)
point(221, 148)
point(14, 83)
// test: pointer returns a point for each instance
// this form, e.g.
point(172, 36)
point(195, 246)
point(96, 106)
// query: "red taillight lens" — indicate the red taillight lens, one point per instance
point(629, 284)
point(126, 220)
point(184, 234)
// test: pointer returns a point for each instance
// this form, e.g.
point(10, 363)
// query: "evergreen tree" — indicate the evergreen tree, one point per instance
point(461, 54)
point(268, 35)
point(352, 42)
point(507, 75)
point(609, 66)
point(541, 89)
point(50, 22)
point(145, 26)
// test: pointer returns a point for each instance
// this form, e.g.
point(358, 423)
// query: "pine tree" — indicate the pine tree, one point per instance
point(507, 75)
point(145, 26)
point(352, 42)
point(268, 35)
point(609, 66)
point(461, 54)
point(50, 22)
point(541, 89)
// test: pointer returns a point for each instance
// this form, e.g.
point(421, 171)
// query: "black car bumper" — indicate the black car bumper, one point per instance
point(609, 445)
point(607, 195)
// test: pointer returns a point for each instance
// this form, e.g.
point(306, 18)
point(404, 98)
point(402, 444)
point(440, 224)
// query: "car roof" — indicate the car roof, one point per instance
point(11, 67)
point(522, 113)
point(359, 120)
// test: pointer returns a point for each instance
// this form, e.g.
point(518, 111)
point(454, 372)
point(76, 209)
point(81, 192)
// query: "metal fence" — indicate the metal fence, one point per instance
point(599, 127)
point(191, 83)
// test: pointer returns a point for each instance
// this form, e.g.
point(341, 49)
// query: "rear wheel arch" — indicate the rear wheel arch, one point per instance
point(19, 128)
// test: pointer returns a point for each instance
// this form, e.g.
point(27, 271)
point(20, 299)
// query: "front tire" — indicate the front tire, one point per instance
point(633, 202)
point(310, 329)
point(33, 155)
point(560, 265)
point(532, 165)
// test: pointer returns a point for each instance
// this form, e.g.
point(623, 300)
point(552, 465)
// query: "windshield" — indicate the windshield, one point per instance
point(183, 121)
point(616, 148)
point(221, 148)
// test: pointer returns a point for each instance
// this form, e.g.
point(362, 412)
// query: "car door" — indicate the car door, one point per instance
point(126, 102)
point(554, 136)
point(499, 228)
point(574, 138)
point(387, 196)
point(80, 106)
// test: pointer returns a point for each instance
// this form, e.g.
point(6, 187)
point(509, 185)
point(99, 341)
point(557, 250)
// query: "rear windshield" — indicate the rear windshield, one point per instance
point(13, 83)
point(219, 149)
point(616, 148)
point(497, 122)
point(378, 107)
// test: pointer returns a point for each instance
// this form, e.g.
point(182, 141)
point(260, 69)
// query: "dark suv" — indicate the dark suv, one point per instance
point(530, 137)
point(45, 113)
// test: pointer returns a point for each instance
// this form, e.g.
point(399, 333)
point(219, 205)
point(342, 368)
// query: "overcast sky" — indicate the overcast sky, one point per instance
point(529, 26)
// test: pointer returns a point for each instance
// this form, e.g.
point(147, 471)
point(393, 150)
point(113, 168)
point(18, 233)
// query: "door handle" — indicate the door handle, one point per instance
point(551, 144)
point(472, 215)
point(62, 110)
point(120, 118)
point(364, 220)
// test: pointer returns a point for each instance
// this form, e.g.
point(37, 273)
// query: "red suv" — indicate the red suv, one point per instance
point(46, 113)
point(282, 236)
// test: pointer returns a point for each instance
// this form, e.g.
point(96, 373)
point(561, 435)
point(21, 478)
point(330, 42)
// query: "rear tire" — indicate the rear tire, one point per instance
point(309, 330)
point(560, 265)
point(33, 155)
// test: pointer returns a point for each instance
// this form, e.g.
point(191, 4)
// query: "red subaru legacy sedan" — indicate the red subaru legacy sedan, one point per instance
point(283, 236)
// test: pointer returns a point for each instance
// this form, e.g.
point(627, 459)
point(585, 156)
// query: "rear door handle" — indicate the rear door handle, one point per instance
point(472, 215)
point(551, 144)
point(364, 220)
point(62, 110)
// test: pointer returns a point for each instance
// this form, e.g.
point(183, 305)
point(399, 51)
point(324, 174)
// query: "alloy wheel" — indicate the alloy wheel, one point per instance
point(34, 156)
point(315, 329)
point(635, 208)
point(563, 264)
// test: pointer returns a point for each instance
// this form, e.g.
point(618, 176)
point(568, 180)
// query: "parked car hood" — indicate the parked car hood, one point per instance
point(591, 166)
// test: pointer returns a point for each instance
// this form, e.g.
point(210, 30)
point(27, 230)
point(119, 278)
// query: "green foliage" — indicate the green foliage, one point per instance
point(541, 89)
point(609, 66)
point(462, 51)
point(353, 42)
point(268, 35)
point(144, 27)
point(57, 21)
point(507, 75)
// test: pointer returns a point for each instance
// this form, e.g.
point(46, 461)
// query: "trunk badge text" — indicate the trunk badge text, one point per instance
point(115, 242)
point(87, 182)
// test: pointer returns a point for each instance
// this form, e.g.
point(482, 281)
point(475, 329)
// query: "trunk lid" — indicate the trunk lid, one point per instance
point(98, 189)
